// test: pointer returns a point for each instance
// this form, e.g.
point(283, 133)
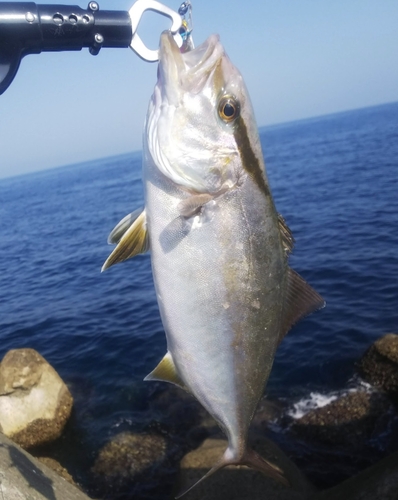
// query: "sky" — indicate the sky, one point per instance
point(299, 58)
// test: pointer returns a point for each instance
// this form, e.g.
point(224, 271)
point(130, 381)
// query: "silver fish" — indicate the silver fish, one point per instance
point(219, 249)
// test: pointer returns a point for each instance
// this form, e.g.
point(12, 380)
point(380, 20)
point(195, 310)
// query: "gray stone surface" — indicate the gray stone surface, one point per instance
point(35, 404)
point(23, 477)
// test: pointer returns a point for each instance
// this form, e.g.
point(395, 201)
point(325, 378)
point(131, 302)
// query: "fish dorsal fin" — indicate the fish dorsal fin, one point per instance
point(166, 371)
point(301, 299)
point(121, 227)
point(134, 241)
point(286, 234)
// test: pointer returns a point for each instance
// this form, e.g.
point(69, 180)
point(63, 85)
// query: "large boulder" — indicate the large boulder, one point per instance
point(129, 460)
point(35, 404)
point(240, 483)
point(348, 421)
point(379, 364)
point(24, 477)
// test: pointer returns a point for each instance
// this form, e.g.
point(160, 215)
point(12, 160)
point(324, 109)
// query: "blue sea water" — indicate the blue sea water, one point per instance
point(333, 178)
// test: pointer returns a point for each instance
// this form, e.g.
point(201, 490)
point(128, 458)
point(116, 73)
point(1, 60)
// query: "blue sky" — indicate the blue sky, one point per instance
point(299, 58)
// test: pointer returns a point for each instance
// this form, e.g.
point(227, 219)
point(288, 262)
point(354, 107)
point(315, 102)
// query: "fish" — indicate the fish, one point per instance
point(219, 249)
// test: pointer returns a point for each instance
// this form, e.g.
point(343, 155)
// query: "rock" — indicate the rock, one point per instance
point(35, 404)
point(128, 458)
point(268, 411)
point(178, 409)
point(379, 482)
point(54, 465)
point(181, 416)
point(347, 421)
point(379, 364)
point(24, 477)
point(240, 483)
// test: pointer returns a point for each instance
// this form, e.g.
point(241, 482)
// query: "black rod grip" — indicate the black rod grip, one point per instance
point(38, 28)
point(28, 28)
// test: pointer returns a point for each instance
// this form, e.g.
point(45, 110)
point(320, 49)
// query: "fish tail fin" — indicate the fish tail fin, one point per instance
point(257, 462)
point(251, 459)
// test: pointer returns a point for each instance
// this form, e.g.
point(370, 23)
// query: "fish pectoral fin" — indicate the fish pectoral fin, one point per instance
point(135, 240)
point(286, 234)
point(166, 371)
point(191, 205)
point(121, 227)
point(249, 458)
point(301, 299)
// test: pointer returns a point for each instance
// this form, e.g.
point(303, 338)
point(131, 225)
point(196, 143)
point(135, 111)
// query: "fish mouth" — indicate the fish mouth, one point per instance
point(190, 70)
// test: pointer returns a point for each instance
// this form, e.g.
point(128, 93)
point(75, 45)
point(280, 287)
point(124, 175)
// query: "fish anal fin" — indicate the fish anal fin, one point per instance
point(249, 458)
point(121, 227)
point(166, 371)
point(301, 299)
point(133, 242)
point(286, 234)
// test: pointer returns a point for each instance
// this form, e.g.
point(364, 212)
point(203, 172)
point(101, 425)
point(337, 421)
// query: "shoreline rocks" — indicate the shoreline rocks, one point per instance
point(378, 482)
point(35, 404)
point(379, 364)
point(24, 477)
point(348, 421)
point(55, 466)
point(127, 459)
point(348, 428)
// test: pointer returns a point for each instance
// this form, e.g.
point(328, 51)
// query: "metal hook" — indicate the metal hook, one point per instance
point(185, 12)
point(136, 12)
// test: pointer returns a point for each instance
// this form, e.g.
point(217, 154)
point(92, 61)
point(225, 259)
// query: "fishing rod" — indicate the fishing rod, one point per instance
point(28, 28)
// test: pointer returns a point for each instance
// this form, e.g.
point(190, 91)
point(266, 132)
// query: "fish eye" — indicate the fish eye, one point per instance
point(228, 109)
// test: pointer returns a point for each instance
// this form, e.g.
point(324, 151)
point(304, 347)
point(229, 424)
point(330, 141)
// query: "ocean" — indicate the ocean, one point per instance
point(334, 179)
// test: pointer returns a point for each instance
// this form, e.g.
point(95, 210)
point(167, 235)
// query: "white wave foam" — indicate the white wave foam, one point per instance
point(318, 400)
point(311, 402)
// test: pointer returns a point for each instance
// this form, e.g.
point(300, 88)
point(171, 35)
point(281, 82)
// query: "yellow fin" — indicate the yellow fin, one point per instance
point(134, 241)
point(166, 372)
point(121, 227)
